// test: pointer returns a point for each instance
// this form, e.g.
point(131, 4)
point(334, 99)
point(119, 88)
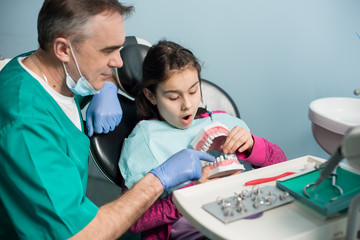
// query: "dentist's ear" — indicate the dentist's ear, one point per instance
point(150, 96)
point(61, 49)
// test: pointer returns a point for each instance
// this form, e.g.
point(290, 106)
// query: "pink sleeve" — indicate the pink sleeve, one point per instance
point(163, 211)
point(264, 153)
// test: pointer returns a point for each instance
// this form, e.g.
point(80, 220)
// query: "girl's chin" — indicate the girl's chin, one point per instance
point(185, 127)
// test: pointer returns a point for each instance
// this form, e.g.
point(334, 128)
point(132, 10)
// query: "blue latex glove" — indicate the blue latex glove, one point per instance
point(104, 112)
point(181, 167)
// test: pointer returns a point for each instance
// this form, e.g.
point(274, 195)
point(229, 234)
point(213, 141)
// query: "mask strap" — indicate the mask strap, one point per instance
point(64, 67)
point(77, 66)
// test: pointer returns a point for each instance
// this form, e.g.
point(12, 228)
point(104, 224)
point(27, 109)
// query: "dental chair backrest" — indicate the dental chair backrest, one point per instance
point(105, 149)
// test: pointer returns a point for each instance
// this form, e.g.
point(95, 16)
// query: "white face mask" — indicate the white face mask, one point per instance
point(82, 86)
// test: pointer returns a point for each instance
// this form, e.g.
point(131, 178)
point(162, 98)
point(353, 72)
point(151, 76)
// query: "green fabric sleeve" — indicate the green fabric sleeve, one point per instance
point(42, 188)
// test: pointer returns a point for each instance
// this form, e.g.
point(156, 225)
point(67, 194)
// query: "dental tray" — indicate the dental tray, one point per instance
point(247, 204)
point(210, 139)
point(320, 197)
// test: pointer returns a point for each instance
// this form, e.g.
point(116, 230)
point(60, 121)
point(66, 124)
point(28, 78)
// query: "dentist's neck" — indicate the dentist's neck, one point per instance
point(54, 72)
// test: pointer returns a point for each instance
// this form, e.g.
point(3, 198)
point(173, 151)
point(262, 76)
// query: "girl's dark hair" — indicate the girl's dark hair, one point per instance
point(160, 60)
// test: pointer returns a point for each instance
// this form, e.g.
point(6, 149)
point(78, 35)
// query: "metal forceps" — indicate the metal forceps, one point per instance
point(333, 177)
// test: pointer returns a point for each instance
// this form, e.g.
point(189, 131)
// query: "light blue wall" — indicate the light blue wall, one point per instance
point(272, 56)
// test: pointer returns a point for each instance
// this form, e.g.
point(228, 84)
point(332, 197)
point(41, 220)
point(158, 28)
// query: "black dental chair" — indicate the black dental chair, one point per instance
point(105, 149)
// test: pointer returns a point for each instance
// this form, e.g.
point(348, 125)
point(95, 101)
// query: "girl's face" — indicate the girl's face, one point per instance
point(178, 98)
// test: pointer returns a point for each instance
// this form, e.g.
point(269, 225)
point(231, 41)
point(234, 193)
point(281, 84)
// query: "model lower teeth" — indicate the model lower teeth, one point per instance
point(209, 140)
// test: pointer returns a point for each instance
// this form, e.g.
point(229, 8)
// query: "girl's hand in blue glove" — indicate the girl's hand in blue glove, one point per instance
point(104, 112)
point(181, 167)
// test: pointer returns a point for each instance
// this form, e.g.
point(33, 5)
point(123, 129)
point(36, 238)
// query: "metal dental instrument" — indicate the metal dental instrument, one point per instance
point(312, 184)
point(346, 149)
point(305, 188)
point(333, 177)
point(333, 181)
point(329, 166)
point(328, 170)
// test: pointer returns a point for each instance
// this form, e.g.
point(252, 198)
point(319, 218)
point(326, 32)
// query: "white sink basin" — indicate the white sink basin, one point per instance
point(331, 118)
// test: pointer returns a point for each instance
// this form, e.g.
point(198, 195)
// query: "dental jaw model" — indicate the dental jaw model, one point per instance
point(209, 140)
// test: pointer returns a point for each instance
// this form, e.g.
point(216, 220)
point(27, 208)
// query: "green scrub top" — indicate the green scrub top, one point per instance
point(43, 162)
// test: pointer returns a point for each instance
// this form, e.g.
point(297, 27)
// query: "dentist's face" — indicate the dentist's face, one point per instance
point(178, 98)
point(98, 54)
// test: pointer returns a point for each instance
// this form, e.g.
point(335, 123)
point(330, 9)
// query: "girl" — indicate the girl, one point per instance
point(168, 100)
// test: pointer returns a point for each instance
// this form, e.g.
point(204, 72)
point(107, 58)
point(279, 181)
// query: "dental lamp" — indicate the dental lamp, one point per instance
point(349, 149)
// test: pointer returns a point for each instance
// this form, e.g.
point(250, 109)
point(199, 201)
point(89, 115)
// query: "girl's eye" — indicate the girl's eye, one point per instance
point(193, 92)
point(173, 97)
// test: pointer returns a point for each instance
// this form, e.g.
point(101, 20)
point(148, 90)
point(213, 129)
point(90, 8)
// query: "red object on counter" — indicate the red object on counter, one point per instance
point(269, 179)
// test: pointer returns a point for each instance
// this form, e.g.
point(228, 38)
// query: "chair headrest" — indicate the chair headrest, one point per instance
point(133, 55)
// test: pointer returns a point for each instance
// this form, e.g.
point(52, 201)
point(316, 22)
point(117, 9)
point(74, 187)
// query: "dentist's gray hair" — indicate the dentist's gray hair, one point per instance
point(71, 18)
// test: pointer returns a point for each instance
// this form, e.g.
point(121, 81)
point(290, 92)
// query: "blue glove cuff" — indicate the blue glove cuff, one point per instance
point(157, 174)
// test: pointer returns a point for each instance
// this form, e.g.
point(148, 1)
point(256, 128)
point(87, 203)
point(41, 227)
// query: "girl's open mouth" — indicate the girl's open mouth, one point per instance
point(187, 119)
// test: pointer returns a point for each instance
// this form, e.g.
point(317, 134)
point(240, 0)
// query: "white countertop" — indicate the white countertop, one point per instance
point(290, 221)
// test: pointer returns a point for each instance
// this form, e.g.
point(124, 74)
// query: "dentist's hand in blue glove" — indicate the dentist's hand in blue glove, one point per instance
point(104, 112)
point(181, 167)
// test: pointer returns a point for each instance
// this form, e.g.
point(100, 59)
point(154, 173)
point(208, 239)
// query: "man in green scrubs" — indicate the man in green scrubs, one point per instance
point(43, 148)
